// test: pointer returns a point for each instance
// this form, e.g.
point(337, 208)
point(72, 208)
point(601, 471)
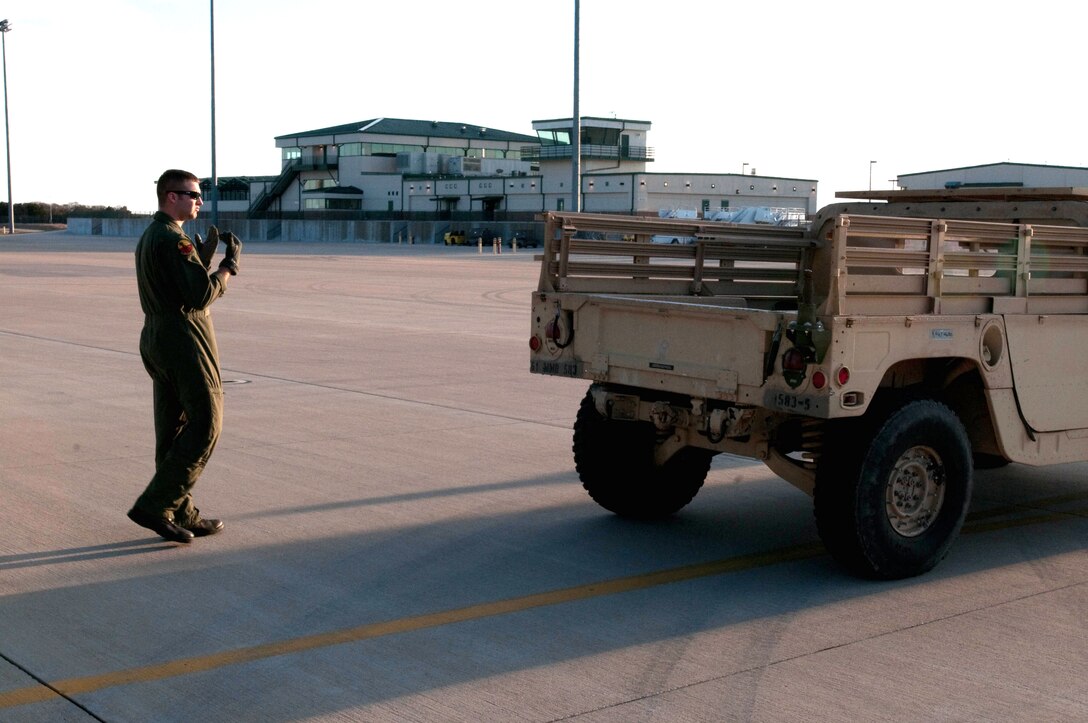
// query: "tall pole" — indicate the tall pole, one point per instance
point(576, 130)
point(5, 26)
point(215, 177)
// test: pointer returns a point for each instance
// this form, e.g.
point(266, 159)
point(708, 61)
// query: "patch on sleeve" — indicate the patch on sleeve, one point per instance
point(185, 247)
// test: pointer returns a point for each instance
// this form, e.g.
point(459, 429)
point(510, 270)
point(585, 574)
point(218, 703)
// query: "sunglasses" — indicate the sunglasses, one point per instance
point(195, 195)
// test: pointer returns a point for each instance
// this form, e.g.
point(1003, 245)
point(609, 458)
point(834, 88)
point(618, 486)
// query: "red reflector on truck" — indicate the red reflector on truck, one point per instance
point(793, 360)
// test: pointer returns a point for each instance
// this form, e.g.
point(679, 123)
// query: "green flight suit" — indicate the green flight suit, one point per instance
point(178, 348)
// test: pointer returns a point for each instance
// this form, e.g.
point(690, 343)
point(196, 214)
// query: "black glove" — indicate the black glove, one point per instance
point(233, 252)
point(206, 249)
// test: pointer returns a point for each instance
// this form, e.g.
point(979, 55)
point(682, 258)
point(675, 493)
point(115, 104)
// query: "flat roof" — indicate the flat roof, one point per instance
point(591, 121)
point(980, 193)
point(1006, 164)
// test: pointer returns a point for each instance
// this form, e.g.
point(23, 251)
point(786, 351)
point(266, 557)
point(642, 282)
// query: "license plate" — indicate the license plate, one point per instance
point(556, 368)
point(792, 402)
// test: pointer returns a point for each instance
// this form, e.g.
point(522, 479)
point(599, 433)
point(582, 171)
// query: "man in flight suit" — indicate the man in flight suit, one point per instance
point(178, 348)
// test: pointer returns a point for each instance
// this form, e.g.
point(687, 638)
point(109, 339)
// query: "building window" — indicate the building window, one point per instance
point(292, 154)
point(554, 138)
point(560, 204)
point(351, 149)
point(333, 204)
point(389, 149)
point(446, 150)
point(234, 194)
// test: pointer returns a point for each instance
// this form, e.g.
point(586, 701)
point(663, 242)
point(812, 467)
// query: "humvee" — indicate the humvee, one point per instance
point(874, 359)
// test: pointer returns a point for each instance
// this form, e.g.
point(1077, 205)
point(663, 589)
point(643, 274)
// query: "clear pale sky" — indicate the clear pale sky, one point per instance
point(106, 94)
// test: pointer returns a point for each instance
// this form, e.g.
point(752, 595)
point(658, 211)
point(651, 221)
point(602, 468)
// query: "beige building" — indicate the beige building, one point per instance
point(1014, 175)
point(462, 171)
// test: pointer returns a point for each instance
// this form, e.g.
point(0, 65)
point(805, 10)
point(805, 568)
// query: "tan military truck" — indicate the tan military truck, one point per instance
point(872, 360)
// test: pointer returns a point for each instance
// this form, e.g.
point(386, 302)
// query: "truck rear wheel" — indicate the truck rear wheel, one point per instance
point(891, 506)
point(615, 461)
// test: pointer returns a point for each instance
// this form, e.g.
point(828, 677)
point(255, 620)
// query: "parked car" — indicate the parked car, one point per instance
point(478, 234)
point(454, 238)
point(524, 238)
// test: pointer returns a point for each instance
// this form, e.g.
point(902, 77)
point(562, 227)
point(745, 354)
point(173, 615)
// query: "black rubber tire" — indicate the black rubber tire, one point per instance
point(866, 461)
point(615, 462)
point(990, 461)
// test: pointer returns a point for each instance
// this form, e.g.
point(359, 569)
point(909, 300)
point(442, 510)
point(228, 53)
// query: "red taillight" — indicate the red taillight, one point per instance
point(819, 379)
point(793, 360)
point(535, 343)
point(842, 376)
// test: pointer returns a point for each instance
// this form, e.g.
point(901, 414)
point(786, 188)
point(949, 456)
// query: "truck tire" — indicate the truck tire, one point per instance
point(892, 492)
point(615, 462)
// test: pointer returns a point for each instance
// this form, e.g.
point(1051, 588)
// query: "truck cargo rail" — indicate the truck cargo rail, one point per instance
point(882, 265)
point(604, 253)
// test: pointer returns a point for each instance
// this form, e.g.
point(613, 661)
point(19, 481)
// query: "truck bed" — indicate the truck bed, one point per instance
point(756, 266)
point(874, 266)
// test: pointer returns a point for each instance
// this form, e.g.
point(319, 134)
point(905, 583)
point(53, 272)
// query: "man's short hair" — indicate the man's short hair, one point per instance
point(170, 180)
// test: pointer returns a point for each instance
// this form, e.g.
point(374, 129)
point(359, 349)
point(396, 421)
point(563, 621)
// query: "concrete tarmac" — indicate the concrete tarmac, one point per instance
point(407, 540)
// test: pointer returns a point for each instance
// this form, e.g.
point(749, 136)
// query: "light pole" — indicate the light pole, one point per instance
point(871, 164)
point(215, 177)
point(5, 26)
point(576, 128)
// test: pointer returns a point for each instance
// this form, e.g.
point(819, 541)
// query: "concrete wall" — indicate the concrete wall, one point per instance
point(420, 232)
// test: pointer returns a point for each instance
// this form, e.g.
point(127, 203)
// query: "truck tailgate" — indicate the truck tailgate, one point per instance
point(692, 347)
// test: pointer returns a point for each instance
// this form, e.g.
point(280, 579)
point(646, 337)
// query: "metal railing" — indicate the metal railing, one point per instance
point(264, 200)
point(559, 152)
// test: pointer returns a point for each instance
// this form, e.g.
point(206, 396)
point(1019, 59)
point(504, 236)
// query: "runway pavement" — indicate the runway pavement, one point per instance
point(406, 538)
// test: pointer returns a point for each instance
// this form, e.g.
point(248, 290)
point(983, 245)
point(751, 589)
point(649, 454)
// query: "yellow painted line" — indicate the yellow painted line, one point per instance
point(1029, 505)
point(185, 666)
point(971, 528)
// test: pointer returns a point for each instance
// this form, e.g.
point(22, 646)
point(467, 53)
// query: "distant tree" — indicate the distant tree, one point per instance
point(38, 212)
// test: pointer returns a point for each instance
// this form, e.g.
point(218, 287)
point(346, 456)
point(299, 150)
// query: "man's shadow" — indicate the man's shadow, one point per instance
point(93, 552)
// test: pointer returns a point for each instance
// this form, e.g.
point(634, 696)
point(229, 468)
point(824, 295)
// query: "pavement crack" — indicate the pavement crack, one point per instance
point(45, 684)
point(811, 653)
